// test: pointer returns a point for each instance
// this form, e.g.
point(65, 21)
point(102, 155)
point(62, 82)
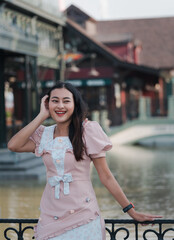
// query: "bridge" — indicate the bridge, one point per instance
point(149, 131)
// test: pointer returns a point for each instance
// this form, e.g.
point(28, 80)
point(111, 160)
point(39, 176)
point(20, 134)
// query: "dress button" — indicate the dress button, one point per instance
point(59, 140)
point(57, 161)
point(56, 218)
point(72, 211)
point(88, 199)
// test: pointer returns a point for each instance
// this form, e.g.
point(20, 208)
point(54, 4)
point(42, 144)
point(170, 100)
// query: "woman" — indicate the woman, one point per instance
point(69, 208)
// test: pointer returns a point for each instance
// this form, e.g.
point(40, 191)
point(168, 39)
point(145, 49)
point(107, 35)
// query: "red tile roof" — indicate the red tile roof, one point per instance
point(108, 52)
point(156, 35)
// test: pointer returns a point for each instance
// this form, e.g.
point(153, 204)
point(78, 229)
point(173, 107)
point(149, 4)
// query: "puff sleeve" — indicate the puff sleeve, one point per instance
point(95, 140)
point(36, 138)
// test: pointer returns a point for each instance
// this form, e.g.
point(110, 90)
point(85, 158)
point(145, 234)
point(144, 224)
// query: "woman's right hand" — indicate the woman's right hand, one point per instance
point(44, 107)
point(21, 141)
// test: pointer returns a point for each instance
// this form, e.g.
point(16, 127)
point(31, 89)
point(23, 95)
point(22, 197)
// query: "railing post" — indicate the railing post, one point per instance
point(136, 231)
point(20, 236)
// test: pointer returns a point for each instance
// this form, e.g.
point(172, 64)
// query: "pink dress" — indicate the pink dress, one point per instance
point(68, 205)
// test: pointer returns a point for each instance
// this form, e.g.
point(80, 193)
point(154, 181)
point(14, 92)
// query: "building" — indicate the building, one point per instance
point(30, 43)
point(154, 38)
point(130, 81)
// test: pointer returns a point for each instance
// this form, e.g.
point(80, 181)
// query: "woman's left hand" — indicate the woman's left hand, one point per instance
point(142, 217)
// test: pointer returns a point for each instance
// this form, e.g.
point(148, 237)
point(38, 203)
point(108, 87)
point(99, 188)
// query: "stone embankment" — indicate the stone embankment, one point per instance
point(20, 166)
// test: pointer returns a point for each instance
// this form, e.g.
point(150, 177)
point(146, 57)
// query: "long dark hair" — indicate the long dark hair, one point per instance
point(79, 115)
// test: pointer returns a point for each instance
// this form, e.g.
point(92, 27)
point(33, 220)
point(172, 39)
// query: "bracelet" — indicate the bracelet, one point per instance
point(128, 207)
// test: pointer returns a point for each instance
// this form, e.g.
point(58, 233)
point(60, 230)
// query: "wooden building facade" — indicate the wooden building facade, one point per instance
point(30, 43)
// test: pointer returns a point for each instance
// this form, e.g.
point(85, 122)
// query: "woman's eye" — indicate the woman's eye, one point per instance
point(54, 101)
point(66, 101)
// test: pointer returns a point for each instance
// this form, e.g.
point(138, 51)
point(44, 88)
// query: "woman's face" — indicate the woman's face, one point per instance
point(61, 105)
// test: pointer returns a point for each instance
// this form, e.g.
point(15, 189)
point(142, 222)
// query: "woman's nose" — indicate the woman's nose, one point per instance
point(60, 105)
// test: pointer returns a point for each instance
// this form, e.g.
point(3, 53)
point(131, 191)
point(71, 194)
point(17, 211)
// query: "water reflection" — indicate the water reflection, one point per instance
point(20, 199)
point(146, 176)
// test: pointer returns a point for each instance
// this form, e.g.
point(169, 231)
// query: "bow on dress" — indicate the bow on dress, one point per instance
point(55, 182)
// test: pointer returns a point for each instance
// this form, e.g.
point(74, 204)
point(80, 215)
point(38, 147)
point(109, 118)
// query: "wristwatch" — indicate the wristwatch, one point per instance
point(128, 207)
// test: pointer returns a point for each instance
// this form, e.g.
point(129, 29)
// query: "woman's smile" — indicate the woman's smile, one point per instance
point(60, 113)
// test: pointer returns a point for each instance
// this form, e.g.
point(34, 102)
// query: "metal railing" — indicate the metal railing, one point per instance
point(157, 230)
point(116, 229)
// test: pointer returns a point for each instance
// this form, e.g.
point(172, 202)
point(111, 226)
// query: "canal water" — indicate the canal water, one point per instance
point(145, 174)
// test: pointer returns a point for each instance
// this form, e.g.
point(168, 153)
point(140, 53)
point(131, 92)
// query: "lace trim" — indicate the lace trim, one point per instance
point(57, 147)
